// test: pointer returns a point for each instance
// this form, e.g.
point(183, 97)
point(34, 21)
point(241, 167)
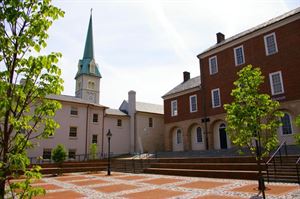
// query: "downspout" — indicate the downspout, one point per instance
point(102, 140)
point(87, 128)
point(205, 119)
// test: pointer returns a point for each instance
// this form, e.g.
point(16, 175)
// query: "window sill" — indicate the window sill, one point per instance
point(73, 138)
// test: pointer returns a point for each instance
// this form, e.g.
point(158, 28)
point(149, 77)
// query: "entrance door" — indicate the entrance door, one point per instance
point(223, 136)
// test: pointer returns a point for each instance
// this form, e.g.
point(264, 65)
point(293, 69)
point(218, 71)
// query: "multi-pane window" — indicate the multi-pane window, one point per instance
point(193, 103)
point(174, 110)
point(213, 65)
point(95, 117)
point(270, 44)
point(119, 122)
point(179, 136)
point(199, 134)
point(286, 127)
point(72, 153)
point(276, 83)
point(215, 98)
point(73, 131)
point(239, 57)
point(74, 111)
point(95, 139)
point(150, 122)
point(47, 154)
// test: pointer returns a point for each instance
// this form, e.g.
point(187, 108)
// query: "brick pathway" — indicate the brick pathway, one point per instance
point(147, 186)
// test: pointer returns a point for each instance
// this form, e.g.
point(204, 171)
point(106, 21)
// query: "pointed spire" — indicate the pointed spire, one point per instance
point(89, 47)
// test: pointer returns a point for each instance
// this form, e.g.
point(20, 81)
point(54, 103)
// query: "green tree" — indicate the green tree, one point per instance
point(93, 151)
point(59, 154)
point(25, 111)
point(252, 117)
point(252, 113)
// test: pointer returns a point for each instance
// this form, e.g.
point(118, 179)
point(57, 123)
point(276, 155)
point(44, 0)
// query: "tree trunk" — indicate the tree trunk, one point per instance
point(2, 188)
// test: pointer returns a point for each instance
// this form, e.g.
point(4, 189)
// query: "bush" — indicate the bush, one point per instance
point(59, 154)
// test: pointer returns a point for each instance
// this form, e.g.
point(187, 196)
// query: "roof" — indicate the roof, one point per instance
point(115, 112)
point(189, 84)
point(68, 98)
point(149, 108)
point(251, 30)
point(88, 55)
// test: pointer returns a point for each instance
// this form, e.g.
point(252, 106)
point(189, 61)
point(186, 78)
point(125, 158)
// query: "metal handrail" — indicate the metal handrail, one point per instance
point(273, 159)
point(297, 168)
point(278, 149)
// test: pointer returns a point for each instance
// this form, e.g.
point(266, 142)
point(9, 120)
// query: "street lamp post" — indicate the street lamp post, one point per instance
point(108, 135)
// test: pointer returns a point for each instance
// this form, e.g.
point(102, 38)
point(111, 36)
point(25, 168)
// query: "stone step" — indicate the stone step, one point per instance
point(71, 170)
point(228, 174)
point(209, 166)
point(246, 159)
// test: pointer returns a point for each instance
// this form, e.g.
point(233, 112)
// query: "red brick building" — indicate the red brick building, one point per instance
point(274, 46)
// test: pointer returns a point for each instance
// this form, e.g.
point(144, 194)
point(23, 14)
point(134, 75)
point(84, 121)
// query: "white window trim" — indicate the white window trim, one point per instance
point(172, 107)
point(271, 82)
point(210, 71)
point(193, 111)
point(212, 97)
point(235, 58)
point(266, 46)
point(281, 132)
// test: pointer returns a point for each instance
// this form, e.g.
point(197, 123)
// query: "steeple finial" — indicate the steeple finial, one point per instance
point(89, 46)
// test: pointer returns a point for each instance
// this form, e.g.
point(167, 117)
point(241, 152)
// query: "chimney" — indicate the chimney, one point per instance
point(220, 37)
point(186, 76)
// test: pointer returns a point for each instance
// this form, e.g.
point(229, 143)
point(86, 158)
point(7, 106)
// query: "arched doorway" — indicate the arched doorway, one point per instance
point(177, 139)
point(223, 136)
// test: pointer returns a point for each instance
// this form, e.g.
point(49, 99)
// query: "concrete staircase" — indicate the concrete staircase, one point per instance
point(221, 167)
point(283, 169)
point(69, 167)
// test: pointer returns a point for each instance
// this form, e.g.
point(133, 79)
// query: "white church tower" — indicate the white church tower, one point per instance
point(88, 75)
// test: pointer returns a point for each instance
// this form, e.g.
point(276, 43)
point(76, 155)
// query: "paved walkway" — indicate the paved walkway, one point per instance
point(148, 186)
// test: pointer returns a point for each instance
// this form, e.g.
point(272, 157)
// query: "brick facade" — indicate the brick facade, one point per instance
point(286, 60)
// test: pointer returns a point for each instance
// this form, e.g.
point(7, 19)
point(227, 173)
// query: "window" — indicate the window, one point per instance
point(95, 117)
point(213, 65)
point(270, 44)
point(239, 55)
point(276, 83)
point(193, 103)
point(150, 122)
point(179, 136)
point(73, 131)
point(286, 127)
point(91, 85)
point(199, 134)
point(174, 110)
point(47, 154)
point(74, 111)
point(215, 98)
point(72, 154)
point(119, 122)
point(95, 139)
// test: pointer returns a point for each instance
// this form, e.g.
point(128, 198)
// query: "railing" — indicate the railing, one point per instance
point(75, 158)
point(272, 159)
point(297, 168)
point(135, 164)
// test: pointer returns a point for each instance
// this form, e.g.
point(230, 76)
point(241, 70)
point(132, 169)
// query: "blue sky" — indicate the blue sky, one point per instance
point(145, 45)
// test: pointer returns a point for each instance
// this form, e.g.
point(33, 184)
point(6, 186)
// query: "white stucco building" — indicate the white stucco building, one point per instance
point(135, 126)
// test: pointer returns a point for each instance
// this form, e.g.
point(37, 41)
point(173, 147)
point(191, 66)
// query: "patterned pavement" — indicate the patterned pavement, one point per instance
point(149, 186)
